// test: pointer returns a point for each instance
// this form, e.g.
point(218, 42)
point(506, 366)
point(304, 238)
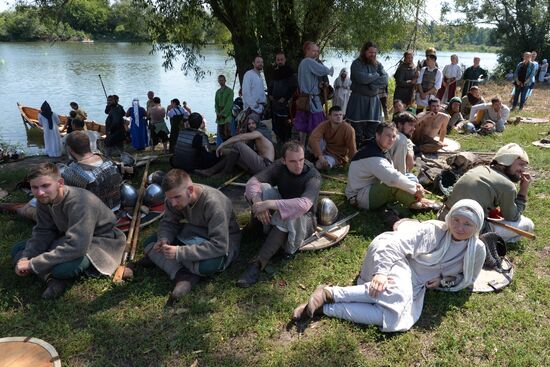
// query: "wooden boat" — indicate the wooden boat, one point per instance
point(30, 117)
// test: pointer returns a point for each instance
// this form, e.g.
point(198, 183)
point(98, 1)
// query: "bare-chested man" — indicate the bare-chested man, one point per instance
point(241, 154)
point(429, 125)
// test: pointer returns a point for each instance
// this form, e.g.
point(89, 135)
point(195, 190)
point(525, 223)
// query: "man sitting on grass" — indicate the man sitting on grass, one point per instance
point(333, 141)
point(198, 235)
point(75, 234)
point(430, 124)
point(373, 181)
point(487, 118)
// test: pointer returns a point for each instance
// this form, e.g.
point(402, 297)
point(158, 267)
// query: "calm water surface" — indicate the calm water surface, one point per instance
point(65, 72)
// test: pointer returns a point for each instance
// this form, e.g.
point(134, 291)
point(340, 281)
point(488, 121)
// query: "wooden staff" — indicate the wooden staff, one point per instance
point(135, 237)
point(230, 181)
point(241, 184)
point(117, 278)
point(325, 94)
point(521, 232)
point(334, 178)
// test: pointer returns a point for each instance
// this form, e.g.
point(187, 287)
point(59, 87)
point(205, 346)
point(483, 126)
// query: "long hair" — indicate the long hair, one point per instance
point(365, 47)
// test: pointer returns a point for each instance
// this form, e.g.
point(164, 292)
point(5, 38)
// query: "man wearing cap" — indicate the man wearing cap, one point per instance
point(453, 110)
point(493, 187)
point(428, 83)
point(287, 211)
point(252, 150)
point(332, 143)
point(430, 124)
point(192, 148)
point(494, 115)
point(198, 235)
point(473, 76)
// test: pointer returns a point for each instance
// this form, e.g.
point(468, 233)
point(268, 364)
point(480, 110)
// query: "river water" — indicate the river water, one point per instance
point(63, 72)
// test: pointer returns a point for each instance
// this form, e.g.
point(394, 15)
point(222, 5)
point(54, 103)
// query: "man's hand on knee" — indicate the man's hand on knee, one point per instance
point(169, 251)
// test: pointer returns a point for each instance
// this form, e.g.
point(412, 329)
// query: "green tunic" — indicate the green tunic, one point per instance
point(491, 189)
point(223, 105)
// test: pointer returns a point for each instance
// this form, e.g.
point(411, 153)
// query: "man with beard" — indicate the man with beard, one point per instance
point(115, 130)
point(364, 110)
point(75, 234)
point(253, 88)
point(401, 153)
point(405, 79)
point(471, 99)
point(431, 123)
point(309, 109)
point(473, 76)
point(279, 91)
point(288, 212)
point(493, 187)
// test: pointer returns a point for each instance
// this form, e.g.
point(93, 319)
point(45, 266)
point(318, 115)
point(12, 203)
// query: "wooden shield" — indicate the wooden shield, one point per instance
point(492, 280)
point(325, 242)
point(540, 144)
point(23, 351)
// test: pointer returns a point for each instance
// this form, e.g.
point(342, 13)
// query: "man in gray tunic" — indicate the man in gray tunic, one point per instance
point(364, 110)
point(198, 235)
point(75, 234)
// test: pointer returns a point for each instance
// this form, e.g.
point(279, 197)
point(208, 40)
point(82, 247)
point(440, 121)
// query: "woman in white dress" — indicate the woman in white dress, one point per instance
point(342, 90)
point(50, 124)
point(400, 266)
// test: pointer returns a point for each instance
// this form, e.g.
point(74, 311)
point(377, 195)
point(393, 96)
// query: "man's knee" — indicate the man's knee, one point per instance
point(16, 252)
point(71, 269)
point(527, 224)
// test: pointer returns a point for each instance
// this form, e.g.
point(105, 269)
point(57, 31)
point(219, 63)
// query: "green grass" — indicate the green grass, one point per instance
point(97, 323)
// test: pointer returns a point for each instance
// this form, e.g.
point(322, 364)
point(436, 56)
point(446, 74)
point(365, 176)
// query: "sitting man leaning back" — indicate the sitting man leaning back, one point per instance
point(75, 234)
point(374, 182)
point(289, 210)
point(333, 141)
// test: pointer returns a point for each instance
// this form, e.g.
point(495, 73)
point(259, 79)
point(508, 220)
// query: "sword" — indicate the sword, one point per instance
point(326, 230)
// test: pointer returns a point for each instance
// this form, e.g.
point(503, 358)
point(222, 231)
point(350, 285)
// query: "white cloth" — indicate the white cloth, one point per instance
point(438, 80)
point(491, 114)
point(52, 137)
point(452, 71)
point(342, 92)
point(523, 223)
point(253, 91)
point(366, 172)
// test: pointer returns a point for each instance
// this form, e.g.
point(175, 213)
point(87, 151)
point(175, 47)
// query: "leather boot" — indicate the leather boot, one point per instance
point(56, 287)
point(300, 312)
point(185, 281)
point(250, 276)
point(320, 296)
point(274, 241)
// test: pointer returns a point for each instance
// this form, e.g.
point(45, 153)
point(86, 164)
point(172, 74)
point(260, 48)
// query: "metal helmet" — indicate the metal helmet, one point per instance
point(327, 211)
point(128, 195)
point(156, 178)
point(153, 196)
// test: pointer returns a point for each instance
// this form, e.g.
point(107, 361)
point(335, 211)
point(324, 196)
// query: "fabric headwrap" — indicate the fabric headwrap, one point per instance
point(509, 153)
point(46, 111)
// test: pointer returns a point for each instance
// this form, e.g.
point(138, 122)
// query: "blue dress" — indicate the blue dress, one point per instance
point(138, 128)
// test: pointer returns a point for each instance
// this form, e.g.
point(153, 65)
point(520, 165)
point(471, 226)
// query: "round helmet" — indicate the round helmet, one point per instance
point(153, 196)
point(127, 159)
point(327, 211)
point(156, 178)
point(128, 195)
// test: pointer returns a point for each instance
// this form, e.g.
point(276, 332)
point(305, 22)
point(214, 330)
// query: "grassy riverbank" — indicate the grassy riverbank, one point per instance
point(99, 324)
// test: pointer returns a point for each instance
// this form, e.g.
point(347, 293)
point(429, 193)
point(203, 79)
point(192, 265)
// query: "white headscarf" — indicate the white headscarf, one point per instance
point(474, 212)
point(135, 104)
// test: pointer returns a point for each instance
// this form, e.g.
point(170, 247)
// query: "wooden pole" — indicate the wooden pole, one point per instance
point(521, 232)
point(230, 181)
point(241, 184)
point(334, 178)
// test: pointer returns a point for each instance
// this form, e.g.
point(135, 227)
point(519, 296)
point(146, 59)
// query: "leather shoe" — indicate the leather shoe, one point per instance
point(145, 262)
point(185, 281)
point(250, 276)
point(320, 296)
point(299, 312)
point(425, 206)
point(56, 287)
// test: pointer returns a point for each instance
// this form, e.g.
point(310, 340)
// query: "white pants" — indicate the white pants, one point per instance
point(523, 223)
point(354, 304)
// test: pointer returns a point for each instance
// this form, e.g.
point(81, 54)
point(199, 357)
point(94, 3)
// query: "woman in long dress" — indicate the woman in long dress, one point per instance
point(138, 125)
point(342, 90)
point(50, 124)
point(401, 265)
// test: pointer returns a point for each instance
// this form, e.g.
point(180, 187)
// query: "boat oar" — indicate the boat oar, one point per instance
point(101, 80)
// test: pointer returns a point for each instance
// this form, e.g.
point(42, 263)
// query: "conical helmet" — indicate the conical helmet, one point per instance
point(327, 211)
point(153, 196)
point(128, 195)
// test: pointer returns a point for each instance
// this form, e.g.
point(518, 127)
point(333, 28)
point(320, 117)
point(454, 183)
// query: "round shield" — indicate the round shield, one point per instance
point(406, 224)
point(327, 211)
point(490, 280)
point(153, 196)
point(23, 351)
point(128, 195)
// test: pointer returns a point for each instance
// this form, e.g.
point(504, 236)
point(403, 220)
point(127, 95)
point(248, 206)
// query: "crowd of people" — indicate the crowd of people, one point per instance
point(198, 236)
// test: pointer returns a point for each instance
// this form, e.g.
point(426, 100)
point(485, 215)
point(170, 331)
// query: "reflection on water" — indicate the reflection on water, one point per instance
point(35, 138)
point(65, 72)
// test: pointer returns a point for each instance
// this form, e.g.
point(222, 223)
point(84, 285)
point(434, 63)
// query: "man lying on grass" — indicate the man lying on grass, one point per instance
point(75, 234)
